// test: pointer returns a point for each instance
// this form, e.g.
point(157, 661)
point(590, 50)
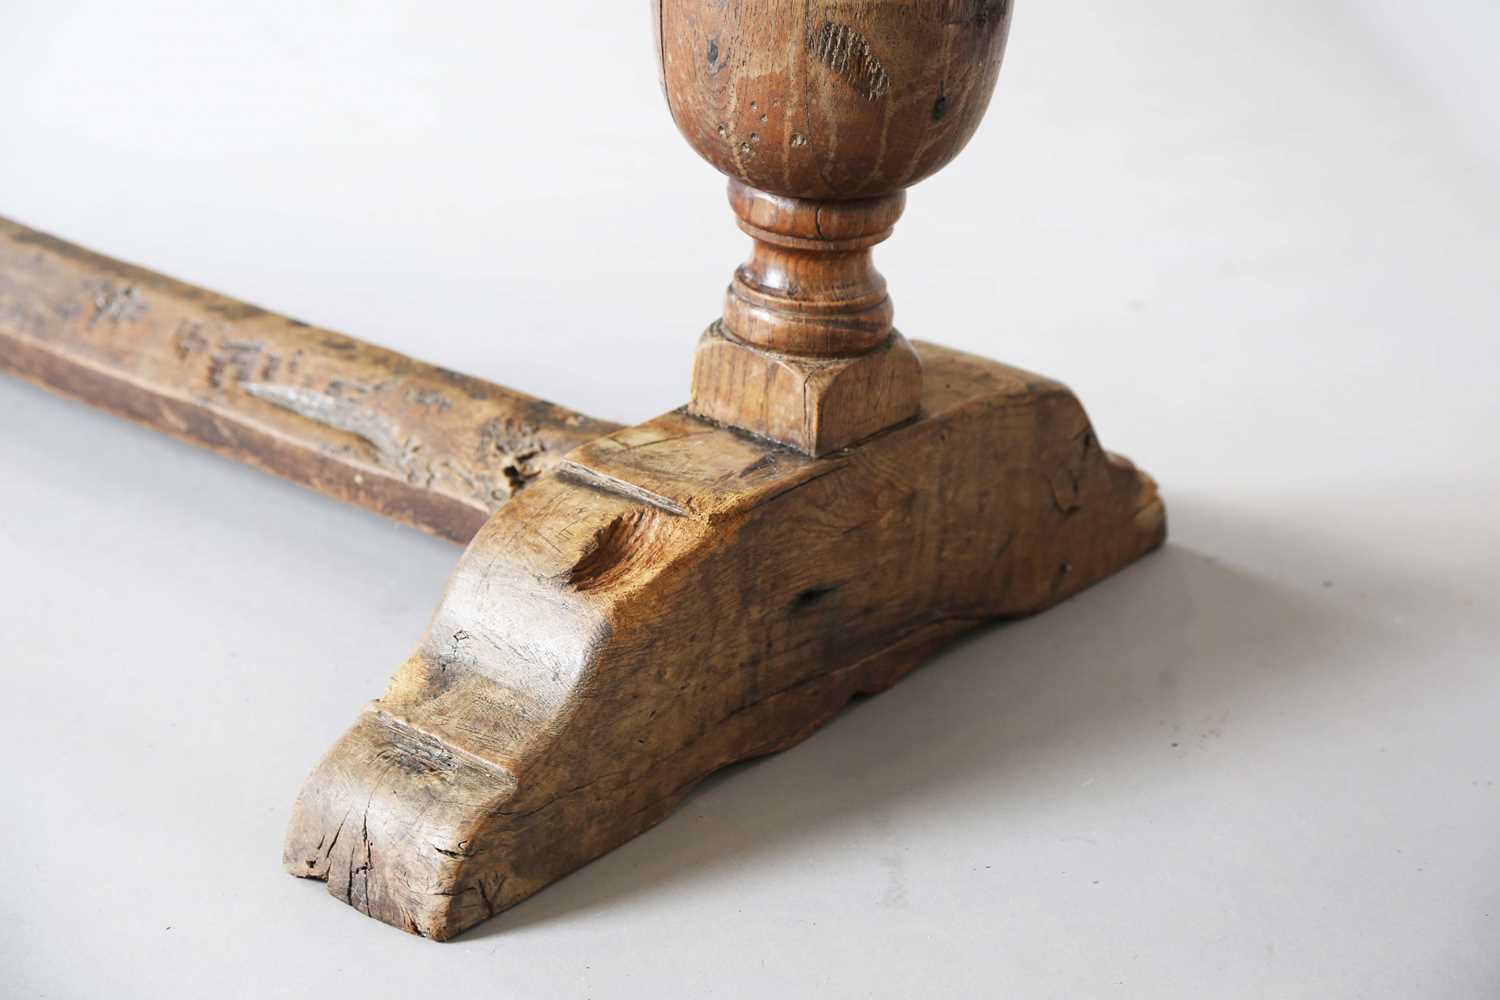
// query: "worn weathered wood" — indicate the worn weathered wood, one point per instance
point(660, 601)
point(805, 353)
point(830, 99)
point(677, 596)
point(821, 113)
point(418, 443)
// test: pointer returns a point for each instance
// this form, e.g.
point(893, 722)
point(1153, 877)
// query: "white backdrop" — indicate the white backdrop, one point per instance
point(1262, 243)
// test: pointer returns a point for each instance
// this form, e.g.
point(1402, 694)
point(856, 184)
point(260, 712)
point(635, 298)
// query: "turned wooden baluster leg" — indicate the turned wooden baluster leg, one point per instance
point(822, 114)
point(806, 353)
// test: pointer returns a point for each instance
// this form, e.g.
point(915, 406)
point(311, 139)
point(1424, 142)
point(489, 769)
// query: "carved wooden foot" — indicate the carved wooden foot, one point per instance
point(676, 597)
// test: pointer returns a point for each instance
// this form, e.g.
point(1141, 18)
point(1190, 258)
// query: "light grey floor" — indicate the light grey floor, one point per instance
point(1264, 246)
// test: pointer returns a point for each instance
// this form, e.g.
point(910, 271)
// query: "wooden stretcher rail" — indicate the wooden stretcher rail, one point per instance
point(414, 442)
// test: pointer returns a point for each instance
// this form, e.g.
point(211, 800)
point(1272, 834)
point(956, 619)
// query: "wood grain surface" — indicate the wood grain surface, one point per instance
point(418, 443)
point(821, 113)
point(830, 99)
point(642, 606)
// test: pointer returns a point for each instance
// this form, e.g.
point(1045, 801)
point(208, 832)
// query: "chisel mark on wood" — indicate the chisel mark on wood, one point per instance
point(848, 53)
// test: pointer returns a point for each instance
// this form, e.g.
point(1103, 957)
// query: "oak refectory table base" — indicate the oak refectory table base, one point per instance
point(639, 606)
point(646, 604)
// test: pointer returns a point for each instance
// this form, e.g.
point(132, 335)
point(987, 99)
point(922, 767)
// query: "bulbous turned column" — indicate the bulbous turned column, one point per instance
point(821, 113)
